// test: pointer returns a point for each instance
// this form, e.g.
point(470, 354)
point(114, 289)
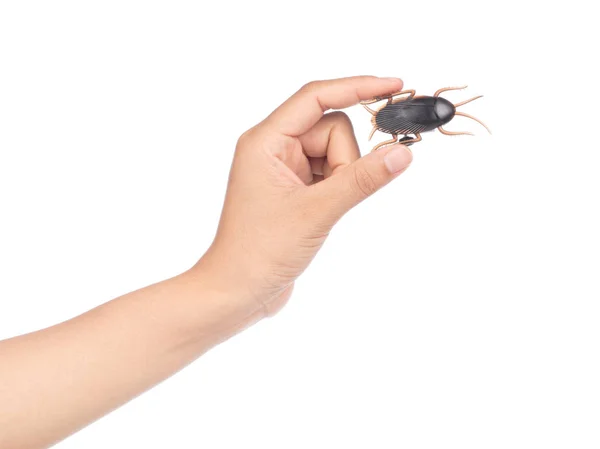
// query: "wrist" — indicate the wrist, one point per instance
point(214, 308)
point(245, 276)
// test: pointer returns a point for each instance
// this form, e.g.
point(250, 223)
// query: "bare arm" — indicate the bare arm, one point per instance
point(57, 380)
point(293, 176)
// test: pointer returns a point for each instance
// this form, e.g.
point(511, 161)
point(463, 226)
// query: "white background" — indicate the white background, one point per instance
point(459, 307)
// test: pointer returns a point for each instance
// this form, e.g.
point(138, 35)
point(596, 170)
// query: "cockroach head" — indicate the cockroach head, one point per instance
point(444, 109)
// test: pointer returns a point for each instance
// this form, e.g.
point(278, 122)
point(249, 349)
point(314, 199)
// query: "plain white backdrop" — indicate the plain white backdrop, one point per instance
point(457, 308)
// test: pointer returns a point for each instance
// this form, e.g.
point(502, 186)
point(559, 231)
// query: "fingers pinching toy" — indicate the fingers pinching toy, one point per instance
point(415, 115)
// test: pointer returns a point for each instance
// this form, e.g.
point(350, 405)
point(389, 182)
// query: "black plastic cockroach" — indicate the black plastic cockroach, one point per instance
point(415, 115)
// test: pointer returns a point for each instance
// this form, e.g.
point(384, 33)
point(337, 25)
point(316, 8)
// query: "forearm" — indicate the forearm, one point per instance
point(57, 380)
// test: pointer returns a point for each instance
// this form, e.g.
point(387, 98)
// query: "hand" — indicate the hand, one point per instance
point(293, 177)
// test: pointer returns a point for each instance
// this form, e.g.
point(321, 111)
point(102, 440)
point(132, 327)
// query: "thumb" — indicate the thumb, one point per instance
point(360, 179)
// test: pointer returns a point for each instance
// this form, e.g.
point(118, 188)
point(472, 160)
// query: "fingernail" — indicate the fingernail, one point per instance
point(391, 78)
point(398, 158)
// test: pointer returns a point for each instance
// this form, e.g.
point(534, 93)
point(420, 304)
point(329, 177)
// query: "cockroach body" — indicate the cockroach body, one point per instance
point(414, 115)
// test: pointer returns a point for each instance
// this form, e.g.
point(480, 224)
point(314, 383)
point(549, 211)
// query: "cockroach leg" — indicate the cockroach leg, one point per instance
point(387, 142)
point(372, 132)
point(410, 141)
point(473, 118)
point(391, 100)
point(467, 101)
point(453, 133)
point(372, 100)
point(444, 89)
point(371, 111)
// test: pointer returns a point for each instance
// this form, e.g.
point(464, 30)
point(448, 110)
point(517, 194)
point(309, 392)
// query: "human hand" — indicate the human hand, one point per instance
point(293, 176)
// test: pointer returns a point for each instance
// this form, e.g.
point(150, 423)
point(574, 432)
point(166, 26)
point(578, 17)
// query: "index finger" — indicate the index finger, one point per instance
point(304, 109)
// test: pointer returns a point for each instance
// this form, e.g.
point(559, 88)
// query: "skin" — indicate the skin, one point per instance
point(293, 176)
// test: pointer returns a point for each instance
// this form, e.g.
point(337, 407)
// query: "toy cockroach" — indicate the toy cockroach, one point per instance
point(415, 115)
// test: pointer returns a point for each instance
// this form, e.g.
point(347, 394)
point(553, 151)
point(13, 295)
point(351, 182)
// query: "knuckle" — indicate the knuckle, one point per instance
point(364, 182)
point(339, 116)
point(245, 139)
point(311, 86)
point(340, 119)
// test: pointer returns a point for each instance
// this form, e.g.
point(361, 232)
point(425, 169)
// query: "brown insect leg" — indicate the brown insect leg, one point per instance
point(372, 100)
point(391, 100)
point(390, 97)
point(387, 142)
point(444, 89)
point(473, 118)
point(467, 101)
point(371, 111)
point(372, 132)
point(453, 133)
